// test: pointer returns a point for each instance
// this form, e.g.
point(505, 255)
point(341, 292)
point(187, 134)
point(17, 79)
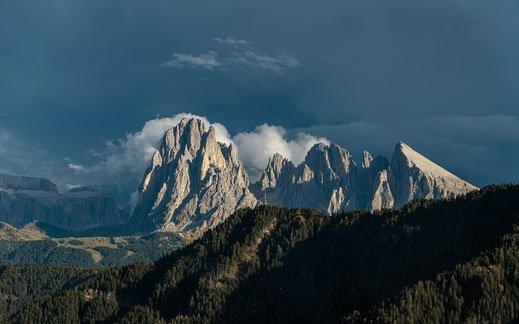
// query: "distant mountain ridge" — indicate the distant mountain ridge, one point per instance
point(26, 183)
point(27, 199)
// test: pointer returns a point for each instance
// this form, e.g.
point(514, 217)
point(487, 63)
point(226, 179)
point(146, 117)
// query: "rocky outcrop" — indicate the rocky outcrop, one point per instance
point(324, 180)
point(26, 199)
point(413, 176)
point(193, 183)
point(329, 180)
point(382, 196)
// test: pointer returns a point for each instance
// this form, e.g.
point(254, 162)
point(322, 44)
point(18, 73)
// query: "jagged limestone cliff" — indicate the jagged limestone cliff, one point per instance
point(193, 183)
point(328, 179)
point(413, 176)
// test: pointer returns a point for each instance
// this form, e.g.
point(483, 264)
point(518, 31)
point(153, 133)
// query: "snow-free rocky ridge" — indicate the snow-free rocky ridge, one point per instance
point(195, 182)
point(328, 179)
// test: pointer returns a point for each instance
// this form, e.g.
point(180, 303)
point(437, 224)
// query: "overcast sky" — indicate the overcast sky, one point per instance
point(79, 79)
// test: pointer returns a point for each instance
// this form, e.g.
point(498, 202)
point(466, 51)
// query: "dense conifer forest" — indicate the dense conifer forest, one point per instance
point(89, 252)
point(452, 260)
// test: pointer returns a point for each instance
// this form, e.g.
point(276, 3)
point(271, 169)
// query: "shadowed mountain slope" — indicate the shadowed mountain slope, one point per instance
point(273, 264)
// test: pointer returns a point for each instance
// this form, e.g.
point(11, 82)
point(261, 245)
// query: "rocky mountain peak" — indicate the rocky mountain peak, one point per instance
point(194, 182)
point(276, 161)
point(340, 160)
point(316, 156)
point(330, 180)
point(366, 159)
point(184, 138)
point(272, 173)
point(412, 176)
point(404, 154)
point(329, 162)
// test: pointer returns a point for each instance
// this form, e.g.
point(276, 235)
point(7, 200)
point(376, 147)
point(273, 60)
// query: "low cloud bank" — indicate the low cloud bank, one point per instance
point(256, 147)
point(479, 149)
point(128, 157)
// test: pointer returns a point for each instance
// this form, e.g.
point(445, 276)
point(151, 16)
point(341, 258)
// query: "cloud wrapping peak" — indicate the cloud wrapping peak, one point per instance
point(131, 154)
point(256, 147)
point(76, 167)
point(127, 158)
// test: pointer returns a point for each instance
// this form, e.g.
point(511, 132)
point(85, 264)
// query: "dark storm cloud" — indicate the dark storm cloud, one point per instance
point(440, 73)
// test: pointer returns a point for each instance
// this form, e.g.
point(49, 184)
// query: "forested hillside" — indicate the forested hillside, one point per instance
point(89, 252)
point(454, 260)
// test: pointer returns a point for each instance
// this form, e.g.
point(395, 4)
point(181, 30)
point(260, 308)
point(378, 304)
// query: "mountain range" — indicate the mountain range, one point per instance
point(194, 183)
point(324, 240)
point(27, 199)
point(331, 181)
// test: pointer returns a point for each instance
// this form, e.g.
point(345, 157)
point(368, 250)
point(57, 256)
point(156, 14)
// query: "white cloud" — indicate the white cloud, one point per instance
point(76, 167)
point(275, 64)
point(230, 40)
point(72, 186)
point(127, 158)
point(121, 162)
point(235, 52)
point(94, 153)
point(208, 61)
point(256, 147)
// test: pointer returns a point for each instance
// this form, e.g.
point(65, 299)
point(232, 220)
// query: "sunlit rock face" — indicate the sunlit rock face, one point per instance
point(414, 176)
point(323, 180)
point(192, 184)
point(329, 180)
point(27, 199)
